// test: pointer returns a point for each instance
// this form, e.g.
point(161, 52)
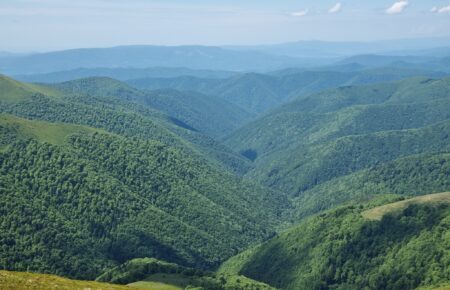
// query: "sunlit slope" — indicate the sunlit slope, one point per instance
point(14, 91)
point(54, 133)
point(25, 281)
point(379, 212)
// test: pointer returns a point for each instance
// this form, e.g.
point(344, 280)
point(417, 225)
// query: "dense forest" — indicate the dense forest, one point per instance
point(346, 248)
point(113, 198)
point(325, 177)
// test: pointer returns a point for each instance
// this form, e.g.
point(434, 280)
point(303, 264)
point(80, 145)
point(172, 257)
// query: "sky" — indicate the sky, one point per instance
point(45, 25)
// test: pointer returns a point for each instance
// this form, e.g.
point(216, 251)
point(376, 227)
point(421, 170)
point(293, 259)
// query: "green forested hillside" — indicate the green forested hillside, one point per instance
point(207, 114)
point(336, 132)
point(97, 199)
point(117, 108)
point(210, 115)
point(413, 175)
point(258, 93)
point(301, 168)
point(341, 249)
point(95, 173)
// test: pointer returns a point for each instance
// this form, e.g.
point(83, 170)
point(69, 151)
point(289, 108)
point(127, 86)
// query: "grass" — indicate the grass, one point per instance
point(53, 133)
point(14, 91)
point(164, 282)
point(377, 213)
point(180, 281)
point(23, 280)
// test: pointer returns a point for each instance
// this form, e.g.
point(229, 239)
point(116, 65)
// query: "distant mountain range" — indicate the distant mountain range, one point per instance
point(330, 49)
point(194, 57)
point(228, 58)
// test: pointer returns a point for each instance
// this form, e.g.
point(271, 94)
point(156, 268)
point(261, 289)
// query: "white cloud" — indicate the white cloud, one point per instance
point(300, 13)
point(445, 9)
point(397, 7)
point(336, 8)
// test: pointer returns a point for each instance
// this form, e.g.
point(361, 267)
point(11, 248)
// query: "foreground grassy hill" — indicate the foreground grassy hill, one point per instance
point(23, 281)
point(402, 245)
point(79, 201)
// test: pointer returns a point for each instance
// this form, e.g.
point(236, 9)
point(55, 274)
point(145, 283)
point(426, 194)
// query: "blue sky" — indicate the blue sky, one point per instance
point(42, 25)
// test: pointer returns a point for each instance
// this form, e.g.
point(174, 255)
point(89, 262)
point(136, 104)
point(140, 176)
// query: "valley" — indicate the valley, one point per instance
point(198, 167)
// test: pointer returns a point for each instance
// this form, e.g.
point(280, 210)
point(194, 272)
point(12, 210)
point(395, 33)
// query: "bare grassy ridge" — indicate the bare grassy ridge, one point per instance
point(377, 213)
point(53, 133)
point(14, 91)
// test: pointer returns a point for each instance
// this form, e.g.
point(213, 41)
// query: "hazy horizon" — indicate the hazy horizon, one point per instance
point(49, 25)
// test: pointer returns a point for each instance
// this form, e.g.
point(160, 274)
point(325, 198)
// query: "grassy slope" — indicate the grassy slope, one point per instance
point(341, 249)
point(180, 281)
point(14, 91)
point(379, 212)
point(53, 133)
point(163, 282)
point(150, 273)
point(23, 280)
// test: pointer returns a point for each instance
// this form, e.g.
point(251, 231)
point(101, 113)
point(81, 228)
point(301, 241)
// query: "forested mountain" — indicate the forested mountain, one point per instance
point(140, 189)
point(207, 114)
point(121, 111)
point(258, 93)
point(412, 175)
point(108, 199)
point(158, 180)
point(403, 245)
point(336, 132)
point(224, 145)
